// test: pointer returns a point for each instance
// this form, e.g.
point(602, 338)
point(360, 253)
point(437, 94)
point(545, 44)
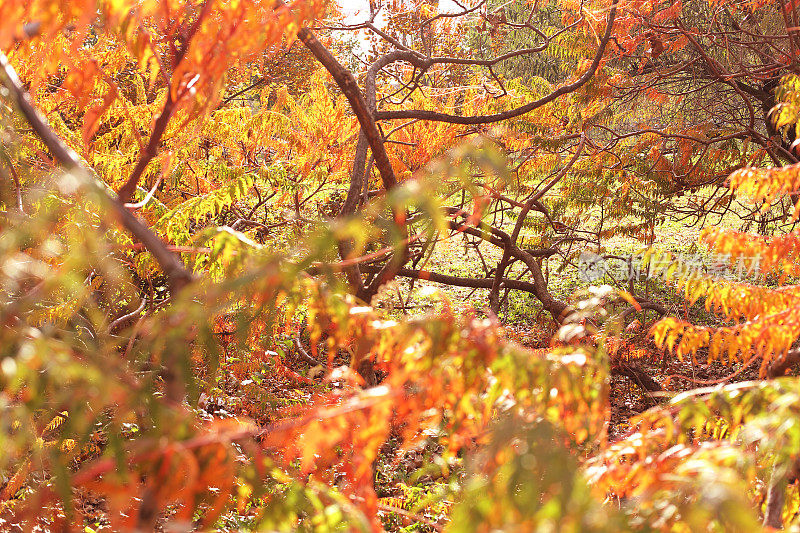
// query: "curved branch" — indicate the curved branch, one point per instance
point(494, 294)
point(511, 113)
point(557, 308)
point(122, 321)
point(349, 87)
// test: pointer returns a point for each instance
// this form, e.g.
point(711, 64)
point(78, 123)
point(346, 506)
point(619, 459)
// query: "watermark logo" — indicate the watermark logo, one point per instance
point(592, 266)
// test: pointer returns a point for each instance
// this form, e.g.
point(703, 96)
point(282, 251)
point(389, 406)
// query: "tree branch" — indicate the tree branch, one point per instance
point(511, 113)
point(349, 87)
point(176, 273)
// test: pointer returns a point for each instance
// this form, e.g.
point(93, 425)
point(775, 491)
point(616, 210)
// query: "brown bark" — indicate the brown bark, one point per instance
point(171, 265)
point(511, 113)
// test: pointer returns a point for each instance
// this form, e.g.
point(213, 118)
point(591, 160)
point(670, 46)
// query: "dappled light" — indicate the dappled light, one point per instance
point(404, 265)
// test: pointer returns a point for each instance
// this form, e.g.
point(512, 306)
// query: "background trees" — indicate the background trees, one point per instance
point(205, 211)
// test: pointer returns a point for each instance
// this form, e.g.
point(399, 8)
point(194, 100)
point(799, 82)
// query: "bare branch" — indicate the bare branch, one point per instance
point(511, 113)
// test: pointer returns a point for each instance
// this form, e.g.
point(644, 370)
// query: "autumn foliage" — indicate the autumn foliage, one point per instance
point(214, 220)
